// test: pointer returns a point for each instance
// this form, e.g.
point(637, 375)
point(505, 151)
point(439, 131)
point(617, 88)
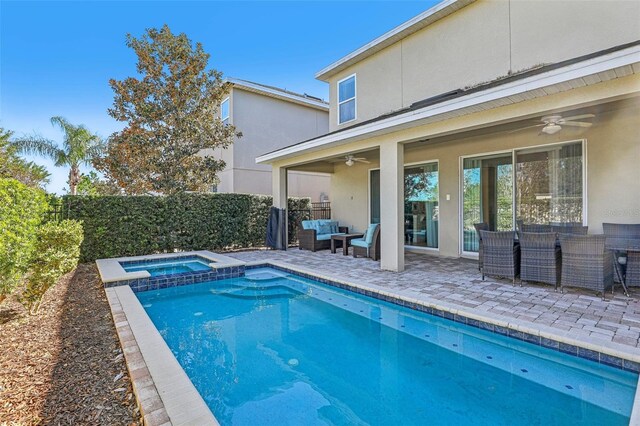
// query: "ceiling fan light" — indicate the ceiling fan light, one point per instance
point(551, 128)
point(349, 162)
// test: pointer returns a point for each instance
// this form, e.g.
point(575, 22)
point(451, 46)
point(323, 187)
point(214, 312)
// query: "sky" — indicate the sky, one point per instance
point(56, 57)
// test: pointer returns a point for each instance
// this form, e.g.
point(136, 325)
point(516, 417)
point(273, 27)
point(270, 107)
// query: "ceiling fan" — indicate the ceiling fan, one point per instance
point(351, 160)
point(552, 124)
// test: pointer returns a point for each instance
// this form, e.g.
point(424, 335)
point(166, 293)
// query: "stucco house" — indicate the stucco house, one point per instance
point(270, 118)
point(494, 111)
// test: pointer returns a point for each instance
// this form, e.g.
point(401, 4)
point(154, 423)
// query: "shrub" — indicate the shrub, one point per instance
point(137, 225)
point(21, 212)
point(57, 251)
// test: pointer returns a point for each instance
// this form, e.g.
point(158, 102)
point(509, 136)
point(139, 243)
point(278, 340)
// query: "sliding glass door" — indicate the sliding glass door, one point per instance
point(420, 204)
point(545, 186)
point(487, 195)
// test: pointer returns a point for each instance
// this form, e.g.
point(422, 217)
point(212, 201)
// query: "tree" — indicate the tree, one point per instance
point(171, 116)
point(14, 167)
point(91, 184)
point(79, 147)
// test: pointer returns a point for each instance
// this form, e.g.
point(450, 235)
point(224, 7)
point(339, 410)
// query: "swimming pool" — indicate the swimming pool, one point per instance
point(168, 266)
point(280, 349)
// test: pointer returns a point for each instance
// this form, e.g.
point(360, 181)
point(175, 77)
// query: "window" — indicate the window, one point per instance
point(347, 99)
point(224, 111)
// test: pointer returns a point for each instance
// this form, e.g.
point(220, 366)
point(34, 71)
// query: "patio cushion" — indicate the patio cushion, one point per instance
point(360, 242)
point(334, 226)
point(308, 224)
point(370, 231)
point(325, 228)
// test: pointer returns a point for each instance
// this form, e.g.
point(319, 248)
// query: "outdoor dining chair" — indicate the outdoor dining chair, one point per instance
point(540, 257)
point(586, 263)
point(621, 235)
point(480, 227)
point(535, 227)
point(500, 255)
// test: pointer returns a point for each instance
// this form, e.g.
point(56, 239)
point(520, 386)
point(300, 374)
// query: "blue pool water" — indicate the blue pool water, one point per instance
point(169, 267)
point(276, 349)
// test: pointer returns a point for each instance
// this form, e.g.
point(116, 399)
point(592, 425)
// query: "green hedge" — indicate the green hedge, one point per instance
point(56, 252)
point(136, 225)
point(21, 212)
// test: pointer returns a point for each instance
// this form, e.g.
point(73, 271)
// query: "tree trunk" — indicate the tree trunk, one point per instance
point(74, 178)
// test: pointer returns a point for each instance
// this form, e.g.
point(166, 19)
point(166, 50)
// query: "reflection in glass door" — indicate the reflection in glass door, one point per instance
point(421, 205)
point(487, 196)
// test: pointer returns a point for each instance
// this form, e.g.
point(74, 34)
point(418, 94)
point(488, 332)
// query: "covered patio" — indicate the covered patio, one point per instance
point(454, 285)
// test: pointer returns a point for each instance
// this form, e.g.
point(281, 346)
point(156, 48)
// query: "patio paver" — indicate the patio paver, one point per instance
point(577, 314)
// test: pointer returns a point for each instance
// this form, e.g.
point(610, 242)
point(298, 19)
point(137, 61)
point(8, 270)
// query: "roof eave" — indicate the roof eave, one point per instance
point(278, 94)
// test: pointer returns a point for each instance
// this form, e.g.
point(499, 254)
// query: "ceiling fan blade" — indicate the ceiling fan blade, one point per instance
point(577, 123)
point(578, 117)
point(528, 127)
point(362, 160)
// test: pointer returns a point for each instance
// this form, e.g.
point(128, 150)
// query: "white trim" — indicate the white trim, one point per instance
point(278, 94)
point(228, 117)
point(354, 99)
point(591, 66)
point(513, 152)
point(414, 24)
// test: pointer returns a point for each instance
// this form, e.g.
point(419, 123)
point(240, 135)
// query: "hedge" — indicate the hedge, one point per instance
point(21, 212)
point(119, 225)
point(56, 253)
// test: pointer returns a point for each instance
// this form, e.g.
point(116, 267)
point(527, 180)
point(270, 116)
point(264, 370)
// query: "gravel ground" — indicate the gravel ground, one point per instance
point(64, 366)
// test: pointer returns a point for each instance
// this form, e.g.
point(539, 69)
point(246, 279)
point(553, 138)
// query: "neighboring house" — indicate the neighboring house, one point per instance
point(461, 114)
point(270, 118)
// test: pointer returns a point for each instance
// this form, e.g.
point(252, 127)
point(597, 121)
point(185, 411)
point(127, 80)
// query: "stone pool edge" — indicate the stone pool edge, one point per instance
point(164, 393)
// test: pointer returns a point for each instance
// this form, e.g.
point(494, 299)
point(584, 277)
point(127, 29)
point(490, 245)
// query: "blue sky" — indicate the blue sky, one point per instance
point(56, 57)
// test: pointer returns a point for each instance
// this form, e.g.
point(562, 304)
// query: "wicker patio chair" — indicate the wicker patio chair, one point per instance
point(480, 227)
point(535, 227)
point(565, 223)
point(372, 251)
point(570, 229)
point(500, 255)
point(586, 263)
point(618, 234)
point(540, 257)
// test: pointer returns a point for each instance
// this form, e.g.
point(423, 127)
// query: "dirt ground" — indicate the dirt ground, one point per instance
point(64, 366)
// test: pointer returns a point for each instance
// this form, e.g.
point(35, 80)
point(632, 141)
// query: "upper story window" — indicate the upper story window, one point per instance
point(224, 111)
point(347, 99)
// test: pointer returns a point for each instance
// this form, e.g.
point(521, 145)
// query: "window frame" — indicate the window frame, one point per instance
point(225, 120)
point(354, 98)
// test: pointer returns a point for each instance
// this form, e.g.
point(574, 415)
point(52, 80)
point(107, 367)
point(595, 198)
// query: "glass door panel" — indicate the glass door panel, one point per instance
point(421, 205)
point(549, 187)
point(374, 196)
point(487, 196)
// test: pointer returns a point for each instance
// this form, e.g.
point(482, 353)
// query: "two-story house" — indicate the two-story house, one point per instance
point(270, 118)
point(482, 111)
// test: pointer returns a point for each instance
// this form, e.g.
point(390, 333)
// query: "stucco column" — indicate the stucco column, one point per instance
point(279, 187)
point(392, 206)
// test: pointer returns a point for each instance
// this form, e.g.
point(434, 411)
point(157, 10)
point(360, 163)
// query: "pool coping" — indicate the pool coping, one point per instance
point(164, 393)
point(520, 330)
point(111, 270)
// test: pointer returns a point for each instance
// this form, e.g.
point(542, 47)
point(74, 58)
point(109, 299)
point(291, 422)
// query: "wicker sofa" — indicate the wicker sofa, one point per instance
point(316, 234)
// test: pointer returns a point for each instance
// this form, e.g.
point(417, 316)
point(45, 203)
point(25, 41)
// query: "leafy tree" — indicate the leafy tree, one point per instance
point(79, 147)
point(91, 184)
point(171, 116)
point(14, 167)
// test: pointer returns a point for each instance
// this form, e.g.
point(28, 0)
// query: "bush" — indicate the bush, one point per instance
point(56, 252)
point(117, 226)
point(21, 212)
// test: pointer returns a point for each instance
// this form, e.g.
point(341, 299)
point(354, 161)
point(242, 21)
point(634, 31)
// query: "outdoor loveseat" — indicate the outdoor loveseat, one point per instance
point(316, 234)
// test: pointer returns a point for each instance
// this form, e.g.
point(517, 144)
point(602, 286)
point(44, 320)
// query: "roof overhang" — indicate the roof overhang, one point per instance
point(591, 71)
point(415, 24)
point(278, 94)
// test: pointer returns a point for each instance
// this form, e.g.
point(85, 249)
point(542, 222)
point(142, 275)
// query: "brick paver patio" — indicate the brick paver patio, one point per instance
point(577, 314)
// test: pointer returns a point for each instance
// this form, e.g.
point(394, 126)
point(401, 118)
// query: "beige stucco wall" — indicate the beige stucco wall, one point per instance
point(613, 175)
point(481, 42)
point(299, 184)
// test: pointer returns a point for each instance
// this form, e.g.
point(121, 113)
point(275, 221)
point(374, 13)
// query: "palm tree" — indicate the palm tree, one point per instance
point(79, 147)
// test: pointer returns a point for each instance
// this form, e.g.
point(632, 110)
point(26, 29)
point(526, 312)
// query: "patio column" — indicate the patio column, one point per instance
point(279, 192)
point(392, 206)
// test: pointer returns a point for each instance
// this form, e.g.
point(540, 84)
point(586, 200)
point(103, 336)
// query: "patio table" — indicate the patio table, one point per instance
point(619, 246)
point(345, 239)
